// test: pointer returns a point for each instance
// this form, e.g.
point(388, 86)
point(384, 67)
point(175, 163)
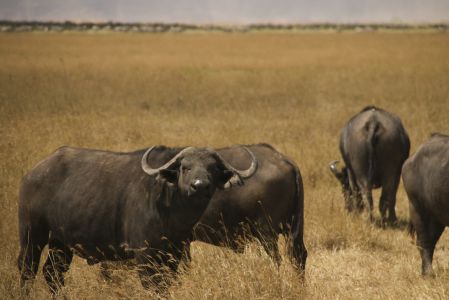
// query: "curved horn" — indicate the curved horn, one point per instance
point(333, 167)
point(152, 171)
point(242, 173)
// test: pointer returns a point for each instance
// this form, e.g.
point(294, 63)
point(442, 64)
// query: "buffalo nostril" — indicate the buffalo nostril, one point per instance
point(198, 184)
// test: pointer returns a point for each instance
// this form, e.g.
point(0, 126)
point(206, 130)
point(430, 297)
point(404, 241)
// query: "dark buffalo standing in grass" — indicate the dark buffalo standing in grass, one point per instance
point(270, 203)
point(426, 181)
point(374, 145)
point(114, 206)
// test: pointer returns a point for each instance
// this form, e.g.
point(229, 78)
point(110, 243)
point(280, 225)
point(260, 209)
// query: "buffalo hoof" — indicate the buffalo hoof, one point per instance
point(392, 221)
point(106, 274)
point(429, 273)
point(26, 287)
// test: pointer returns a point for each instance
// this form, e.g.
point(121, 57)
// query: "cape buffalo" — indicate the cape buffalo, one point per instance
point(426, 181)
point(269, 203)
point(374, 145)
point(105, 205)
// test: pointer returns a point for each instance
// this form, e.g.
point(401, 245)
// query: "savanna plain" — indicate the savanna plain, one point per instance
point(292, 90)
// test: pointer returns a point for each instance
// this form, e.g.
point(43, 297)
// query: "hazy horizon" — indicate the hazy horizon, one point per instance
point(230, 12)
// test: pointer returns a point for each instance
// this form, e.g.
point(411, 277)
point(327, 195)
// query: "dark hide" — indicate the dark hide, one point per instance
point(102, 206)
point(374, 145)
point(426, 181)
point(269, 203)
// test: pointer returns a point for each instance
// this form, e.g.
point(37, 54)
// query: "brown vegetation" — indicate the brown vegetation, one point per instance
point(292, 90)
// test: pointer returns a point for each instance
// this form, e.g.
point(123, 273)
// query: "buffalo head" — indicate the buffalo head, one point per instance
point(341, 175)
point(352, 198)
point(194, 174)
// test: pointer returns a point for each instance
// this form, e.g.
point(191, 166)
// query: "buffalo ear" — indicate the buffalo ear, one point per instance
point(338, 174)
point(168, 182)
point(168, 194)
point(169, 175)
point(229, 179)
point(165, 193)
point(343, 178)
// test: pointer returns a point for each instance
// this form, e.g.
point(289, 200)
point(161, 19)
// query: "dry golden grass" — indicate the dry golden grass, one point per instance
point(292, 90)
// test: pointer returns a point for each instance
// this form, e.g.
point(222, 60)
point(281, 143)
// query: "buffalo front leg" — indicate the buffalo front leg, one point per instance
point(57, 263)
point(105, 271)
point(358, 201)
point(153, 277)
point(349, 201)
point(355, 196)
point(186, 256)
point(157, 270)
point(107, 268)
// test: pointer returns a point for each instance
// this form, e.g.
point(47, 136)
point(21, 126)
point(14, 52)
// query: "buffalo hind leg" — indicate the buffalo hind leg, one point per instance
point(428, 233)
point(28, 263)
point(296, 250)
point(31, 246)
point(299, 254)
point(57, 263)
point(426, 241)
point(383, 202)
point(368, 197)
point(388, 200)
point(268, 237)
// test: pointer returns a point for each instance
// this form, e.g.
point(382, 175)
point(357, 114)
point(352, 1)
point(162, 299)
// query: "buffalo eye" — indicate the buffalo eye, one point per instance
point(225, 176)
point(169, 175)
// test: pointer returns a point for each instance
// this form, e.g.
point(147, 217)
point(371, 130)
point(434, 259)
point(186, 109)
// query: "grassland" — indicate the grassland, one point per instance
point(292, 90)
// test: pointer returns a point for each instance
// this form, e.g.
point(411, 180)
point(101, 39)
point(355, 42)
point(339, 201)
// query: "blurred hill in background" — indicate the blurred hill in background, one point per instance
point(229, 11)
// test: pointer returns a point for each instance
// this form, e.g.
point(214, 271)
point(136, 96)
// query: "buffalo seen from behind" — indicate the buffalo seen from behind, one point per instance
point(114, 206)
point(426, 181)
point(374, 145)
